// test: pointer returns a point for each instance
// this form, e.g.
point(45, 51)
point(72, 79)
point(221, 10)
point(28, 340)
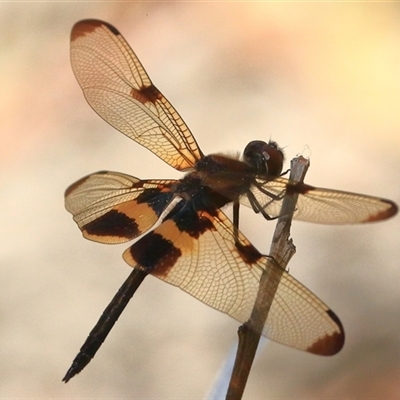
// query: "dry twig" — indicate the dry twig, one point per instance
point(282, 250)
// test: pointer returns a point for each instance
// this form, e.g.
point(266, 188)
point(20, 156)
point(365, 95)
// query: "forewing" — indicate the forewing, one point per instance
point(110, 207)
point(197, 252)
point(323, 206)
point(118, 88)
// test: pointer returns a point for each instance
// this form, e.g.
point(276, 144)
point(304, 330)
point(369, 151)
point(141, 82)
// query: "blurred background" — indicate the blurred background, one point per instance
point(322, 79)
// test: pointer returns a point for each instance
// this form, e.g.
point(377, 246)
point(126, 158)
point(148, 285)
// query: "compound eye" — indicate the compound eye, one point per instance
point(264, 158)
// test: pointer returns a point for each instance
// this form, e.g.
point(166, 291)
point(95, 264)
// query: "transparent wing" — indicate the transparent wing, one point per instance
point(111, 207)
point(323, 206)
point(197, 252)
point(118, 88)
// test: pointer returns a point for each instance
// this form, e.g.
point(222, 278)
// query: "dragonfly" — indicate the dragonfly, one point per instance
point(184, 237)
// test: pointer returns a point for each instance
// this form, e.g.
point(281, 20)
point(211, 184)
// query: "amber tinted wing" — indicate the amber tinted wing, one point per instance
point(323, 206)
point(196, 251)
point(118, 88)
point(110, 207)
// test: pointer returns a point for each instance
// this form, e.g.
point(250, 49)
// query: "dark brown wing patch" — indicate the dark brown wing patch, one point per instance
point(390, 211)
point(81, 29)
point(248, 252)
point(112, 225)
point(331, 343)
point(145, 95)
point(155, 254)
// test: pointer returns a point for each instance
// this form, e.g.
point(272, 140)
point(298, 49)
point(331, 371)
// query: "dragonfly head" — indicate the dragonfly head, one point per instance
point(265, 158)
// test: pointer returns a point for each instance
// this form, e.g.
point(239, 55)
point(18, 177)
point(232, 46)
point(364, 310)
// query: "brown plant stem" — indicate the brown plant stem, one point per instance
point(281, 251)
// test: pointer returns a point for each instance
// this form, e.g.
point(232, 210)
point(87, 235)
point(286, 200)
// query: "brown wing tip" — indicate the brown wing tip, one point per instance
point(81, 28)
point(332, 343)
point(391, 210)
